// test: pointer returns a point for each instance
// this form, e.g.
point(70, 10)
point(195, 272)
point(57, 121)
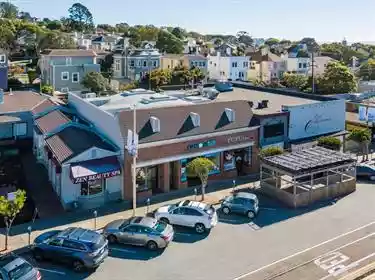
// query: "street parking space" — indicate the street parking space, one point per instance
point(322, 242)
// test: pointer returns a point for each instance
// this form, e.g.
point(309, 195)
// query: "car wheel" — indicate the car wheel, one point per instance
point(78, 265)
point(372, 178)
point(200, 228)
point(112, 239)
point(151, 245)
point(38, 254)
point(165, 220)
point(226, 210)
point(250, 214)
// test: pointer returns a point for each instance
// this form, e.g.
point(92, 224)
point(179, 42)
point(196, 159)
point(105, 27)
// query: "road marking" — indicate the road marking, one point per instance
point(254, 226)
point(51, 271)
point(123, 250)
point(228, 220)
point(267, 208)
point(344, 268)
point(303, 251)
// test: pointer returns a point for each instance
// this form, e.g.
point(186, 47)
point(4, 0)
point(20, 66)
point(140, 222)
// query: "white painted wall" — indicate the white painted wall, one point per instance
point(113, 184)
point(93, 153)
point(69, 191)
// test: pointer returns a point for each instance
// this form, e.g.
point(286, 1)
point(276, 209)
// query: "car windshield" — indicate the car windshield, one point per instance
point(160, 227)
point(20, 271)
point(173, 206)
point(99, 243)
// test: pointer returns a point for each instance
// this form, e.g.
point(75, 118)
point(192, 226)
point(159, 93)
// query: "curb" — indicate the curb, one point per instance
point(366, 272)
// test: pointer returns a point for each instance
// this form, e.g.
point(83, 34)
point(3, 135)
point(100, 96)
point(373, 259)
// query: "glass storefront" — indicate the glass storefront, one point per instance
point(235, 158)
point(91, 188)
point(215, 158)
point(146, 178)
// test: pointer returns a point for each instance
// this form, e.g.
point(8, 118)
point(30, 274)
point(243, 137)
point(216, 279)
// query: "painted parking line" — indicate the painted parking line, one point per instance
point(51, 271)
point(303, 251)
point(183, 233)
point(254, 226)
point(123, 250)
point(228, 221)
point(268, 208)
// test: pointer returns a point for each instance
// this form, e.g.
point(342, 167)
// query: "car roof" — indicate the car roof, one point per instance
point(144, 221)
point(10, 261)
point(246, 195)
point(193, 204)
point(79, 234)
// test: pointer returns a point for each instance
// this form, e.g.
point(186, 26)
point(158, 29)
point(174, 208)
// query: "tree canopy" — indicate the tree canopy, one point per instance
point(200, 167)
point(81, 17)
point(95, 82)
point(294, 81)
point(169, 43)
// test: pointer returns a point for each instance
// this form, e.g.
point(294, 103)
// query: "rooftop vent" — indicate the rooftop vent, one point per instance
point(155, 124)
point(263, 104)
point(231, 115)
point(196, 119)
point(158, 96)
point(195, 98)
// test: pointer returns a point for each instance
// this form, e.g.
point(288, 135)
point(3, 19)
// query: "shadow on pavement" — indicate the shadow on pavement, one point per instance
point(232, 219)
point(133, 253)
point(114, 207)
point(187, 235)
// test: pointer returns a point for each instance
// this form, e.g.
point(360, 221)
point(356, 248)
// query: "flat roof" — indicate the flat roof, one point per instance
point(144, 99)
point(308, 160)
point(276, 101)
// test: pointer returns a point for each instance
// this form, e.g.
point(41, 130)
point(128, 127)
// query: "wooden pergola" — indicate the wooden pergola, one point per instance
point(301, 177)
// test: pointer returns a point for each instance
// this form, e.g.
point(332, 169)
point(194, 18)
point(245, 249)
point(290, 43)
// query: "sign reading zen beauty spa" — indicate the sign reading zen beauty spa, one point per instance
point(316, 119)
point(94, 177)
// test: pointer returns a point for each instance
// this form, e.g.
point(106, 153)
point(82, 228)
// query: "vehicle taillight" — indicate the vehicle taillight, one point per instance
point(165, 237)
point(38, 275)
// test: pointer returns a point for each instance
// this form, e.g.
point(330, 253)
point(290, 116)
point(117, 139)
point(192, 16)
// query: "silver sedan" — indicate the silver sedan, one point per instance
point(139, 231)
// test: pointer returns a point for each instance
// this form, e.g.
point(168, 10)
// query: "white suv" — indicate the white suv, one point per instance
point(188, 213)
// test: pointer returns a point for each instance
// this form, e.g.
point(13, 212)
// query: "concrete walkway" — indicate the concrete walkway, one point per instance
point(39, 188)
point(19, 234)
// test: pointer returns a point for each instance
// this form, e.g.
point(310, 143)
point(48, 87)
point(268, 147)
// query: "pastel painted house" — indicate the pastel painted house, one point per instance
point(197, 61)
point(64, 69)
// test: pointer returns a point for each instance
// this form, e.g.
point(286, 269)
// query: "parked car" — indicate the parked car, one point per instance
point(78, 247)
point(188, 213)
point(366, 171)
point(241, 203)
point(140, 231)
point(13, 267)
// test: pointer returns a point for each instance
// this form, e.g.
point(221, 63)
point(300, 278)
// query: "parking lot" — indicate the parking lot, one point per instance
point(322, 242)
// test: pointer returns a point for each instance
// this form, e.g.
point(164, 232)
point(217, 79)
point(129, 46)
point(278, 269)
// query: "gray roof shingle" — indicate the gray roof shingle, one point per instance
point(51, 121)
point(20, 101)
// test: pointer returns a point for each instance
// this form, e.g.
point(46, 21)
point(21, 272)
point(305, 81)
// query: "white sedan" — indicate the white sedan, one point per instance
point(198, 215)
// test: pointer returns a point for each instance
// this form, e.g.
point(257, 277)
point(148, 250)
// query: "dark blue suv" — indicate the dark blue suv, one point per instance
point(78, 247)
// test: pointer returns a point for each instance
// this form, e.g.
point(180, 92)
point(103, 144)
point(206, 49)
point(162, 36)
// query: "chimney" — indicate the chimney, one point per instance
point(1, 96)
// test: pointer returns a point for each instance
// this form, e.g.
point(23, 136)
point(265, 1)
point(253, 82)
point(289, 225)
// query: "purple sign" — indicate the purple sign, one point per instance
point(94, 177)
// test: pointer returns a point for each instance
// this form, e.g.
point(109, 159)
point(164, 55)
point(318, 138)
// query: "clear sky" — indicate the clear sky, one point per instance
point(326, 20)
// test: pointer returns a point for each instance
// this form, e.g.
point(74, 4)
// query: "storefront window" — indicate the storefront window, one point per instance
point(215, 158)
point(146, 178)
point(231, 158)
point(92, 187)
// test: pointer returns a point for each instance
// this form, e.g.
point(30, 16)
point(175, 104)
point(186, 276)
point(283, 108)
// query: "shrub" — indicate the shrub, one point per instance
point(129, 86)
point(271, 151)
point(48, 89)
point(32, 75)
point(330, 142)
point(14, 82)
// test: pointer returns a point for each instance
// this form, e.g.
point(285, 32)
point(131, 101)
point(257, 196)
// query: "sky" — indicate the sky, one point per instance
point(325, 20)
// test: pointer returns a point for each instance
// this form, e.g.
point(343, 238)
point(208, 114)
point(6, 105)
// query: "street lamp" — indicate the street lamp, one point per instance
point(29, 229)
point(95, 216)
point(132, 147)
point(234, 185)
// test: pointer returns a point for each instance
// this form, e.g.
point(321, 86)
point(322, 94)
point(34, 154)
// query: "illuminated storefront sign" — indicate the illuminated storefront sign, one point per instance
point(200, 145)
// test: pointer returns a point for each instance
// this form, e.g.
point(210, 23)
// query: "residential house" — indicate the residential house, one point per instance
point(227, 66)
point(104, 42)
point(170, 61)
point(320, 64)
point(191, 46)
point(135, 64)
point(297, 65)
point(64, 69)
point(265, 66)
point(197, 61)
point(84, 41)
point(3, 70)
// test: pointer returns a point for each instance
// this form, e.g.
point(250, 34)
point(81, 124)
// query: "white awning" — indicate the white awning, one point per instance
point(193, 155)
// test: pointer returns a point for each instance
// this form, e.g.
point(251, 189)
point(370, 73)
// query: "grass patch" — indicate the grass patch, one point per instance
point(351, 127)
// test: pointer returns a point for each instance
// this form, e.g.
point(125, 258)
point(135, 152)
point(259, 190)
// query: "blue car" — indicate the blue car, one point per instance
point(366, 171)
point(241, 203)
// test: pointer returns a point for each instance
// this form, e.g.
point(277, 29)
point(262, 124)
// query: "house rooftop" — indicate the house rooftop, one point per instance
point(145, 99)
point(69, 52)
point(20, 101)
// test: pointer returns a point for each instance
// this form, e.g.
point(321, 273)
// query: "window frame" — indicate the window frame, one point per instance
point(3, 58)
point(88, 195)
point(77, 81)
point(16, 129)
point(118, 64)
point(67, 76)
point(68, 60)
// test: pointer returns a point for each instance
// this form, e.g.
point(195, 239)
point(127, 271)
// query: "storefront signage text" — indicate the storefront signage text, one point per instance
point(208, 143)
point(96, 177)
point(238, 139)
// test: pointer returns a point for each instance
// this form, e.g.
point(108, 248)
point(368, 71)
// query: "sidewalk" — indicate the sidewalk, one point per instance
point(365, 273)
point(214, 193)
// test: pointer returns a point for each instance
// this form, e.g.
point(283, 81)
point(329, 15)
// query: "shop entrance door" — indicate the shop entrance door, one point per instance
point(172, 175)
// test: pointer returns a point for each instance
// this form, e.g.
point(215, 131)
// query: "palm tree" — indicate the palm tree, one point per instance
point(363, 138)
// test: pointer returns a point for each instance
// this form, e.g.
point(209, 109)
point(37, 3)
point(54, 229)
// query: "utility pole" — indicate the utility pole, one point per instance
point(312, 65)
point(149, 70)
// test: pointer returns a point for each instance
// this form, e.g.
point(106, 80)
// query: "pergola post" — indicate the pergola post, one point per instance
point(294, 193)
point(311, 186)
point(327, 184)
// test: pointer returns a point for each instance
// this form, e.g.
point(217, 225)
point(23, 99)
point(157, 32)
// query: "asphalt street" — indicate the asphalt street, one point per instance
point(320, 243)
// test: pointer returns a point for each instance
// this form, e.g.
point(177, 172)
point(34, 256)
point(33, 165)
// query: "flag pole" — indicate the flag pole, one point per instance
point(134, 165)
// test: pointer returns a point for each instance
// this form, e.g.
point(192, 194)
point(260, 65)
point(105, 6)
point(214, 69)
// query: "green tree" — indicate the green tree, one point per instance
point(169, 43)
point(200, 167)
point(367, 70)
point(25, 16)
point(271, 151)
point(106, 27)
point(196, 75)
point(48, 89)
point(183, 74)
point(106, 66)
point(134, 37)
point(337, 78)
point(95, 82)
point(244, 38)
point(8, 10)
point(7, 36)
point(81, 17)
point(179, 32)
point(330, 142)
point(272, 41)
point(311, 44)
point(122, 27)
point(218, 42)
point(363, 138)
point(294, 81)
point(160, 77)
point(54, 25)
point(9, 208)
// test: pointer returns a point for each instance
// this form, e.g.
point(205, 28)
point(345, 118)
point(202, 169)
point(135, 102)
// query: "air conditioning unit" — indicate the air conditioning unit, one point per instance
point(89, 95)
